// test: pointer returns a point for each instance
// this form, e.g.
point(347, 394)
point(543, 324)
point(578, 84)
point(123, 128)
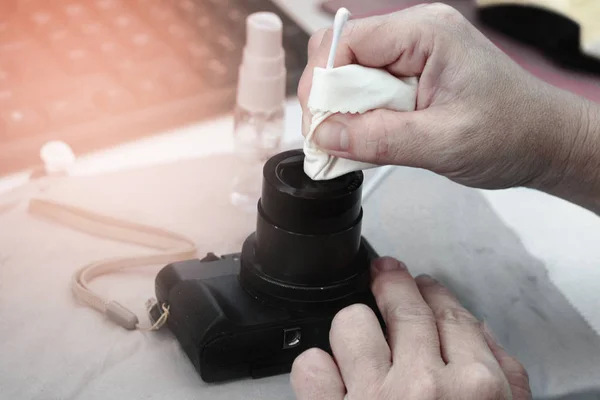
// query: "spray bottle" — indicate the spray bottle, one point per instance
point(260, 106)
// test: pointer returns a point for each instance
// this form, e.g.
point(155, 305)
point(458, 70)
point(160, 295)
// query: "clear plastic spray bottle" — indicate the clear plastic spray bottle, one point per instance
point(260, 106)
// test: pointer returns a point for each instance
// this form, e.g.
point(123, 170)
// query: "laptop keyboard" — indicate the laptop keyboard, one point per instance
point(96, 73)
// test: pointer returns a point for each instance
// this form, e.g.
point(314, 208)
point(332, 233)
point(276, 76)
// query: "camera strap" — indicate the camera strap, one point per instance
point(172, 246)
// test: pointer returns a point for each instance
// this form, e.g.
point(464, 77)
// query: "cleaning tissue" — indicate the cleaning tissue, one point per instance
point(350, 89)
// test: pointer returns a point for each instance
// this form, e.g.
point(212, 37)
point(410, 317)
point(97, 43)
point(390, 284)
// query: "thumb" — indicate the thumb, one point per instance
point(381, 136)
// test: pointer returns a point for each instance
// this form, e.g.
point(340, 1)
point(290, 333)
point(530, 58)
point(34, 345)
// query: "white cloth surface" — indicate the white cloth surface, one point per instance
point(350, 89)
point(53, 348)
point(455, 234)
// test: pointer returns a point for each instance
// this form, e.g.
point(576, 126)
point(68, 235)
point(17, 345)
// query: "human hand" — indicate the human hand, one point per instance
point(435, 349)
point(480, 119)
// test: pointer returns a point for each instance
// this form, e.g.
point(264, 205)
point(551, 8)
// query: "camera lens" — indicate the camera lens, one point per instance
point(308, 234)
point(294, 202)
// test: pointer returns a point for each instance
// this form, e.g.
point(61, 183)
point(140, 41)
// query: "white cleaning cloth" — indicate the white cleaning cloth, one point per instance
point(350, 89)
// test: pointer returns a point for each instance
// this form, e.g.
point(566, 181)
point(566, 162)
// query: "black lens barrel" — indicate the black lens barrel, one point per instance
point(307, 244)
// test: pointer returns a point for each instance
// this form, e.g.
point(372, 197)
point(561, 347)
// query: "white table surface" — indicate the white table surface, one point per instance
point(564, 236)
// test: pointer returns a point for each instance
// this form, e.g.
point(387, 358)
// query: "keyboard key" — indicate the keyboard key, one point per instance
point(110, 50)
point(44, 20)
point(147, 91)
point(27, 58)
point(126, 23)
point(69, 109)
point(217, 67)
point(174, 76)
point(93, 30)
point(75, 11)
point(109, 8)
point(220, 74)
point(225, 43)
point(75, 57)
point(202, 22)
point(144, 46)
point(159, 13)
point(18, 121)
point(180, 32)
point(236, 16)
point(113, 99)
point(187, 6)
point(124, 66)
point(198, 51)
point(60, 35)
point(184, 83)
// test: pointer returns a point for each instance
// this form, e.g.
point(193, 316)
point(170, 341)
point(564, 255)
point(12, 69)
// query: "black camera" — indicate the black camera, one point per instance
point(252, 313)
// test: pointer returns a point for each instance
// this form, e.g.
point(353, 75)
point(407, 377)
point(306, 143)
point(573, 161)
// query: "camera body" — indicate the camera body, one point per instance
point(252, 313)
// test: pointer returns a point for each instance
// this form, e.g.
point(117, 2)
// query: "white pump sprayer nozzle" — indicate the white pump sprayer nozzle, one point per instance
point(262, 74)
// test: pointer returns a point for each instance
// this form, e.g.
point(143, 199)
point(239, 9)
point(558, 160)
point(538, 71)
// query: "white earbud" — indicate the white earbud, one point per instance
point(57, 156)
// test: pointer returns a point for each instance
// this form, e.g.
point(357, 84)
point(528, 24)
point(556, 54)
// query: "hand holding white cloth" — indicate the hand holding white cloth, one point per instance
point(350, 89)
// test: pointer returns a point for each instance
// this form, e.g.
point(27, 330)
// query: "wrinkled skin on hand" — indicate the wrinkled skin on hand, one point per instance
point(434, 349)
point(480, 119)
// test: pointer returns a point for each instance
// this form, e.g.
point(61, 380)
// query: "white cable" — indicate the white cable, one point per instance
point(341, 17)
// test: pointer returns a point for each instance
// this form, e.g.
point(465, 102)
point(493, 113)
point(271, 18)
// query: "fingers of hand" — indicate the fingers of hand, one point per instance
point(383, 137)
point(356, 45)
point(314, 58)
point(360, 349)
point(318, 52)
point(460, 333)
point(513, 370)
point(477, 381)
point(315, 376)
point(410, 323)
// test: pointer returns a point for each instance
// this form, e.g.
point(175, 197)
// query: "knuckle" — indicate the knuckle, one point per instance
point(427, 386)
point(416, 313)
point(484, 381)
point(422, 385)
point(455, 315)
point(445, 12)
point(376, 137)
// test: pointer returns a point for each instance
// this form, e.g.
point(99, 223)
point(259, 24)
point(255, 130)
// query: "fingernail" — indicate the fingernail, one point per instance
point(426, 279)
point(388, 264)
point(332, 135)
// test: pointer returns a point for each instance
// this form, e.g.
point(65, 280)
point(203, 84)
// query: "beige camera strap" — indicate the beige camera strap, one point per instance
point(173, 247)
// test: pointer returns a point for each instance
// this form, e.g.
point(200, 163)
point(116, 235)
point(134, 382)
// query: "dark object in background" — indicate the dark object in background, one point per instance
point(555, 35)
point(253, 313)
point(99, 73)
